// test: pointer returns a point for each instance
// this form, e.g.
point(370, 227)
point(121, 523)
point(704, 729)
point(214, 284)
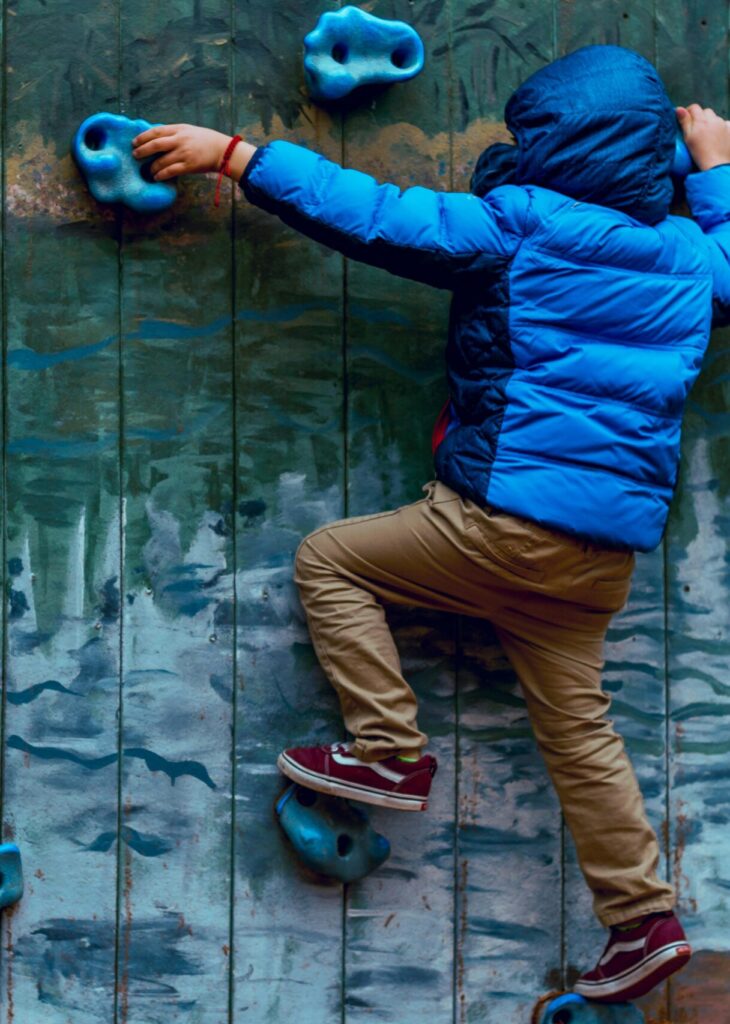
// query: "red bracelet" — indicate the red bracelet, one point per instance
point(225, 166)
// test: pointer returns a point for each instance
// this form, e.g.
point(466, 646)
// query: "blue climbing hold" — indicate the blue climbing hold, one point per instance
point(11, 875)
point(683, 163)
point(102, 147)
point(574, 1009)
point(350, 48)
point(331, 836)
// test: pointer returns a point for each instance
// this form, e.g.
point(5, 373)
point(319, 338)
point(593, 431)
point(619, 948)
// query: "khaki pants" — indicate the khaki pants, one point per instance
point(550, 598)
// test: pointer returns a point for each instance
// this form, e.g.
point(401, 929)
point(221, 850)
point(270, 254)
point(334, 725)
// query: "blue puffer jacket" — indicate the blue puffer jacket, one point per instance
point(581, 310)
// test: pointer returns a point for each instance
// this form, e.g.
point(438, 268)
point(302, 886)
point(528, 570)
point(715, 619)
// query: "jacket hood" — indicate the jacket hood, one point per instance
point(596, 125)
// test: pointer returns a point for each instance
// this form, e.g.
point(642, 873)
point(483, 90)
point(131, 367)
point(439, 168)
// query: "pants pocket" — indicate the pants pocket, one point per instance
point(509, 544)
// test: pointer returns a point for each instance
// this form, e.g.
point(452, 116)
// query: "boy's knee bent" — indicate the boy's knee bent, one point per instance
point(311, 558)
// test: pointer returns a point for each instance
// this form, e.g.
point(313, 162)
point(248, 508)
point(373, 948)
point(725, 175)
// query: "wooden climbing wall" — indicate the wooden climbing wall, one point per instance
point(184, 398)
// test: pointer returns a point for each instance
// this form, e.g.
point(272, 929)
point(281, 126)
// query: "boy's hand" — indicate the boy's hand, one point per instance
point(187, 149)
point(707, 135)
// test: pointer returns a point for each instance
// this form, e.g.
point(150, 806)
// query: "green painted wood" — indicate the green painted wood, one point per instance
point(290, 457)
point(178, 469)
point(509, 839)
point(692, 47)
point(635, 671)
point(62, 540)
point(400, 930)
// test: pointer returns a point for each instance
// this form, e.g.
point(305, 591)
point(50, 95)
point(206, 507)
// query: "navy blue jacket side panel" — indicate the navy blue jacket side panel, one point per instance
point(480, 362)
point(439, 238)
point(708, 195)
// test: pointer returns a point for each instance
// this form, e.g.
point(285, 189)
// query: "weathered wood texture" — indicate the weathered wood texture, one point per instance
point(184, 398)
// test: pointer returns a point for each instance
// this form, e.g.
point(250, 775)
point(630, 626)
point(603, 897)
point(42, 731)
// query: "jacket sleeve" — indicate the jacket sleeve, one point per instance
point(434, 237)
point(708, 195)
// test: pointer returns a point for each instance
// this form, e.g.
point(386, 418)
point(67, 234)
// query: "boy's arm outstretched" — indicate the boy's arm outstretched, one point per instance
point(708, 193)
point(435, 237)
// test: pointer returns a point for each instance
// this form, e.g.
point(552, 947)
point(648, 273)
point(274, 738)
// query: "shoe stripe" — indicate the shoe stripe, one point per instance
point(621, 947)
point(346, 759)
point(614, 986)
point(380, 769)
point(405, 797)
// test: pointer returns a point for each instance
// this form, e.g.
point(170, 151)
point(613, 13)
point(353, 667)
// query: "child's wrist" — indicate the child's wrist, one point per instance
point(239, 159)
point(706, 163)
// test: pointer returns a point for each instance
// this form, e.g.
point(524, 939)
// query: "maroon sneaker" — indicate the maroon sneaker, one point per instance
point(402, 785)
point(636, 960)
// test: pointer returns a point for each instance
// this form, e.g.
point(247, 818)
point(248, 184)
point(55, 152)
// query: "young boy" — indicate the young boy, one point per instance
point(581, 311)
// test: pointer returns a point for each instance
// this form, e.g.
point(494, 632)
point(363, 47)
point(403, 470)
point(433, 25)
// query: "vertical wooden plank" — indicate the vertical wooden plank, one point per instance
point(635, 667)
point(287, 925)
point(692, 52)
point(62, 526)
point(179, 566)
point(400, 928)
point(509, 839)
point(3, 417)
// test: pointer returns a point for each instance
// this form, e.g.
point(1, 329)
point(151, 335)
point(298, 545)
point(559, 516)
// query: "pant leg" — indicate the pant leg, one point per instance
point(560, 673)
point(551, 598)
point(416, 556)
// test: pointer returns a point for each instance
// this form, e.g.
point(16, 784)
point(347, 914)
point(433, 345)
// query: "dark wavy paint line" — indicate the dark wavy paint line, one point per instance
point(710, 749)
point(164, 330)
point(26, 696)
point(701, 710)
point(145, 845)
point(70, 448)
point(61, 449)
point(56, 754)
point(174, 769)
point(27, 359)
point(154, 762)
point(401, 369)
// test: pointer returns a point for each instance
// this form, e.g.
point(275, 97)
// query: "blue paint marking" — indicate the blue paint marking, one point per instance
point(69, 448)
point(408, 372)
point(32, 692)
point(79, 949)
point(164, 330)
point(18, 604)
point(174, 769)
point(700, 710)
point(27, 359)
point(60, 449)
point(154, 762)
point(57, 754)
point(145, 845)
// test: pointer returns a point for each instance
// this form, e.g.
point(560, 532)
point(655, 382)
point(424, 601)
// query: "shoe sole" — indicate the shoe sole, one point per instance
point(628, 985)
point(350, 790)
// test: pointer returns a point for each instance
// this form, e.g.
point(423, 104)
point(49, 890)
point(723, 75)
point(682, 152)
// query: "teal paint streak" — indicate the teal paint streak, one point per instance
point(31, 693)
point(162, 330)
point(145, 845)
point(154, 762)
point(383, 358)
point(27, 359)
point(56, 754)
point(175, 769)
point(702, 709)
point(70, 449)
